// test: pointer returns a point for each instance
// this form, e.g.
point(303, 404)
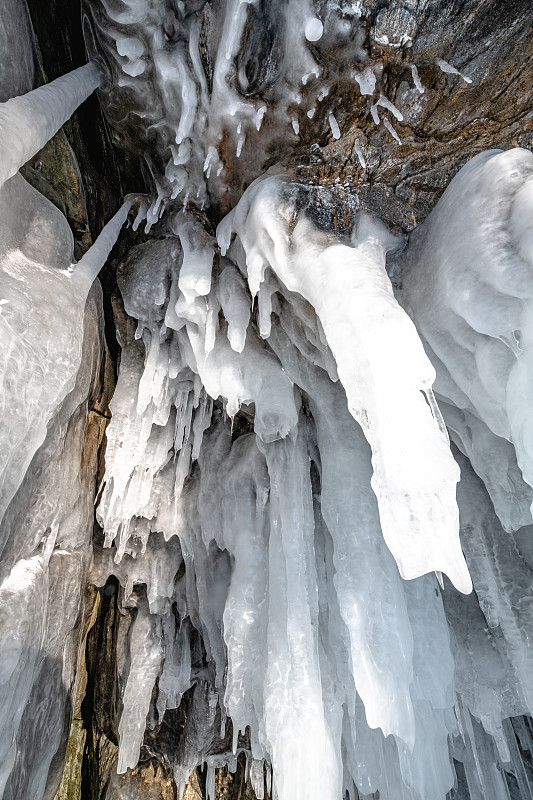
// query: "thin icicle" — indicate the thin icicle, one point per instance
point(88, 267)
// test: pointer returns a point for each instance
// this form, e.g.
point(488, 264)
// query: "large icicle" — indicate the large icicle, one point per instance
point(304, 761)
point(29, 121)
point(366, 580)
point(90, 264)
point(378, 353)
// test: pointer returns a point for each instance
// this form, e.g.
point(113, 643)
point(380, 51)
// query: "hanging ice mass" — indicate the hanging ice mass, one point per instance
point(308, 463)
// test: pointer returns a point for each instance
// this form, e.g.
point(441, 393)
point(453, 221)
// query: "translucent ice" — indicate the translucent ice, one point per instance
point(481, 347)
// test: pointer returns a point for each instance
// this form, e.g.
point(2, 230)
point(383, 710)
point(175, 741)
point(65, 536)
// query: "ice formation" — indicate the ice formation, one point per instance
point(50, 334)
point(295, 538)
point(301, 533)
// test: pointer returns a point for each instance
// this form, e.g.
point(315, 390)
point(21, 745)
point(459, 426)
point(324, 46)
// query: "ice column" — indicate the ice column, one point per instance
point(91, 263)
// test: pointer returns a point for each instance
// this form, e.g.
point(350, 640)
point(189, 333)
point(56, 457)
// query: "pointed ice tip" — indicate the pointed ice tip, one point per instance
point(462, 580)
point(459, 575)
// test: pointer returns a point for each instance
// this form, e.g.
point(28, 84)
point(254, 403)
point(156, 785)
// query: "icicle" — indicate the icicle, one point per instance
point(390, 107)
point(145, 663)
point(447, 68)
point(333, 124)
point(416, 78)
point(359, 153)
point(90, 264)
point(391, 130)
point(261, 111)
point(195, 273)
point(235, 303)
point(366, 80)
point(29, 121)
point(425, 499)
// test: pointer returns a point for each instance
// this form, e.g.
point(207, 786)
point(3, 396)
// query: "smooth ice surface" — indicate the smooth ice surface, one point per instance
point(470, 295)
point(27, 122)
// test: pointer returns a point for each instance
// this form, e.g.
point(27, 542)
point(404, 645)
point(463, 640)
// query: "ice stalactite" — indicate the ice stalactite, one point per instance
point(414, 479)
point(27, 122)
point(334, 670)
point(213, 127)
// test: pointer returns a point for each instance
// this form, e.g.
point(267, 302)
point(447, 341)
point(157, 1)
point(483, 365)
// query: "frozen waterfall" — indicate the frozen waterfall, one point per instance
point(314, 491)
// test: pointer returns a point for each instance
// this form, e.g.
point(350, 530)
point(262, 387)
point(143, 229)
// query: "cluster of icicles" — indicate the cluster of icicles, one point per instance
point(268, 78)
point(314, 545)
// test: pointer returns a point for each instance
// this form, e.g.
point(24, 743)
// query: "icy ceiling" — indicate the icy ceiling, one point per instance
point(320, 436)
